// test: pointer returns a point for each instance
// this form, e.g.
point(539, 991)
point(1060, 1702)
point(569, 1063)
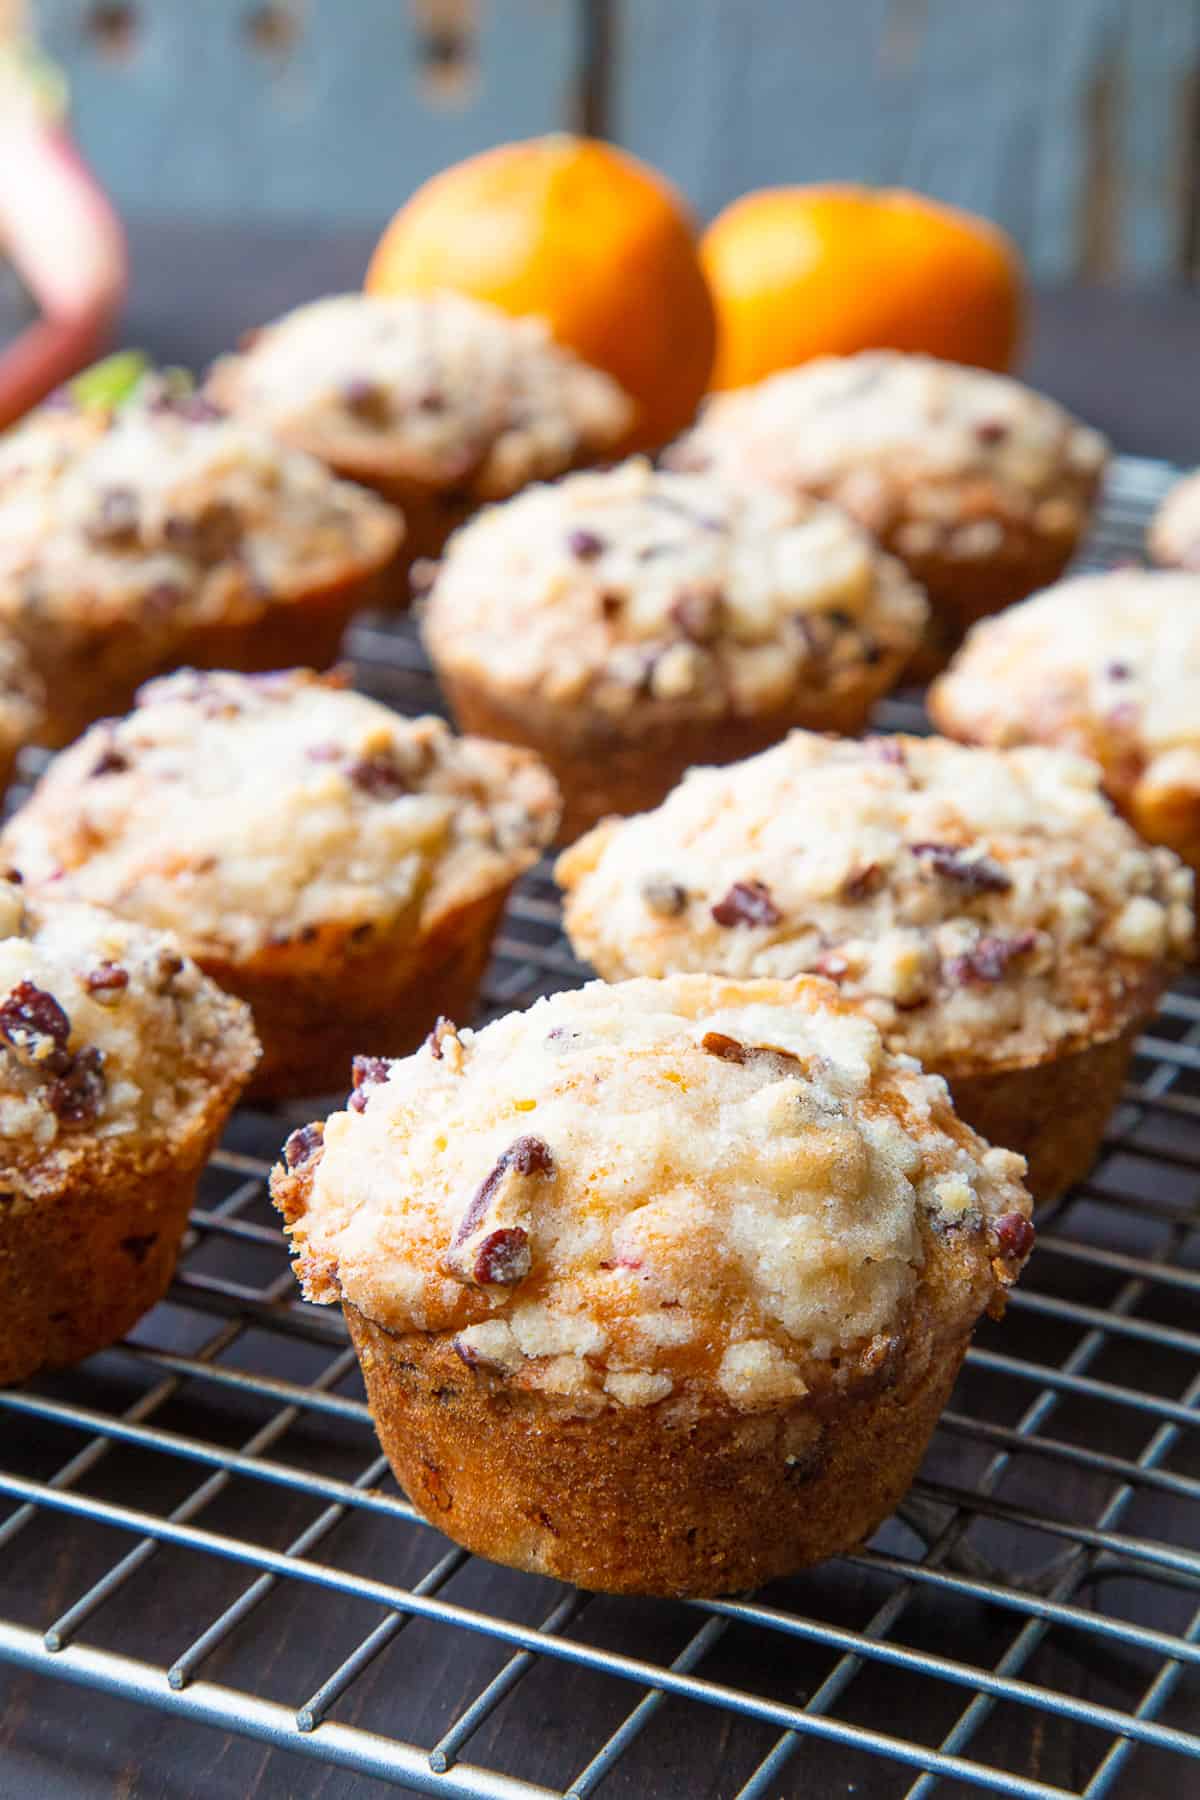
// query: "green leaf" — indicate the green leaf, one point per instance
point(109, 383)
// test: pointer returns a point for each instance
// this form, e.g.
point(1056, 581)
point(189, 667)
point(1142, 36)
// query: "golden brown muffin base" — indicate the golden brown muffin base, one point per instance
point(80, 1266)
point(963, 590)
point(318, 1004)
point(1053, 1111)
point(90, 676)
point(604, 766)
point(623, 1500)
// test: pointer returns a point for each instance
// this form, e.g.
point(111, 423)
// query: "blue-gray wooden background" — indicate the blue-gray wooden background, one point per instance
point(1075, 123)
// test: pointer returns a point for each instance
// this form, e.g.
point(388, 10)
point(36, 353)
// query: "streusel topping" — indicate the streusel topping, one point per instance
point(437, 388)
point(106, 1031)
point(639, 584)
point(249, 810)
point(894, 436)
point(164, 509)
point(983, 906)
point(1107, 663)
point(628, 1189)
point(1174, 535)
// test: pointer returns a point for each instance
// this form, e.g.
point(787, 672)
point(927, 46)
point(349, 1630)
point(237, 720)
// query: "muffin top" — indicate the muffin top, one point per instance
point(628, 1191)
point(164, 509)
point(435, 389)
point(1108, 664)
point(1174, 535)
point(107, 1033)
point(310, 811)
point(943, 454)
point(982, 906)
point(639, 585)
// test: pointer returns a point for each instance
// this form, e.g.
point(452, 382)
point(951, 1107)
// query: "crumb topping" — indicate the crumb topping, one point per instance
point(627, 1190)
point(437, 388)
point(106, 1031)
point(938, 456)
point(308, 807)
point(1107, 664)
point(167, 512)
point(982, 906)
point(639, 585)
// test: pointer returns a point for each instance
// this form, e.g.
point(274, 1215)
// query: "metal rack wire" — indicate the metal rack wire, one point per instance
point(1028, 1625)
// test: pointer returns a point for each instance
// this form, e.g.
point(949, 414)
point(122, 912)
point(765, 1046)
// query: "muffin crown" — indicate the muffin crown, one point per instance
point(1174, 534)
point(106, 1032)
point(903, 413)
point(1110, 663)
point(631, 1190)
point(983, 906)
point(438, 388)
point(165, 506)
point(308, 808)
point(636, 584)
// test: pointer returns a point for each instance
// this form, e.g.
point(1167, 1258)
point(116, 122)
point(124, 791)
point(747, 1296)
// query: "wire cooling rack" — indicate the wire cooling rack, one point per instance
point(201, 1521)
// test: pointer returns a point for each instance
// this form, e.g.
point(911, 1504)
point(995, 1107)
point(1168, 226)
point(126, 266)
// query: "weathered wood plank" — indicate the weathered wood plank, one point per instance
point(323, 109)
point(1068, 122)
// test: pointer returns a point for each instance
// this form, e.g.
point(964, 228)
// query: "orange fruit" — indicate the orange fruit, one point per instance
point(589, 238)
point(798, 272)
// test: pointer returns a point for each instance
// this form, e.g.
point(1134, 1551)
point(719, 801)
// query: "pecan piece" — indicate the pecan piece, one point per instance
point(379, 776)
point(1014, 1236)
point(78, 1093)
point(303, 1143)
point(490, 1246)
point(747, 903)
point(990, 958)
point(107, 979)
point(973, 874)
point(728, 1049)
point(366, 1072)
point(35, 1028)
point(503, 1258)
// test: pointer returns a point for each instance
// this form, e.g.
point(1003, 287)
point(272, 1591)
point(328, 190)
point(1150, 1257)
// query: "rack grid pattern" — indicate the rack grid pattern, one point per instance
point(1028, 1624)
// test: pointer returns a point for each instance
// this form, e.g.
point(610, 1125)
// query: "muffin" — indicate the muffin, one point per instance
point(341, 868)
point(158, 534)
point(981, 486)
point(1174, 535)
point(658, 1288)
point(1108, 665)
point(119, 1064)
point(439, 402)
point(22, 706)
point(630, 623)
point(986, 909)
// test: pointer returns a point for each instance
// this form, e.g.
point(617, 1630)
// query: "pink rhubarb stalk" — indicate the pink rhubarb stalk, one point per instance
point(59, 229)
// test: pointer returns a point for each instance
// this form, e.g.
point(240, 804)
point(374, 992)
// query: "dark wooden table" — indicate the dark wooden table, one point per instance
point(1128, 363)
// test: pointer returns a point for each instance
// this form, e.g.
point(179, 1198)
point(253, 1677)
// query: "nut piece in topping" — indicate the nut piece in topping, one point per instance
point(973, 872)
point(490, 1246)
point(990, 958)
point(747, 903)
point(303, 1144)
point(366, 1072)
point(35, 1028)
